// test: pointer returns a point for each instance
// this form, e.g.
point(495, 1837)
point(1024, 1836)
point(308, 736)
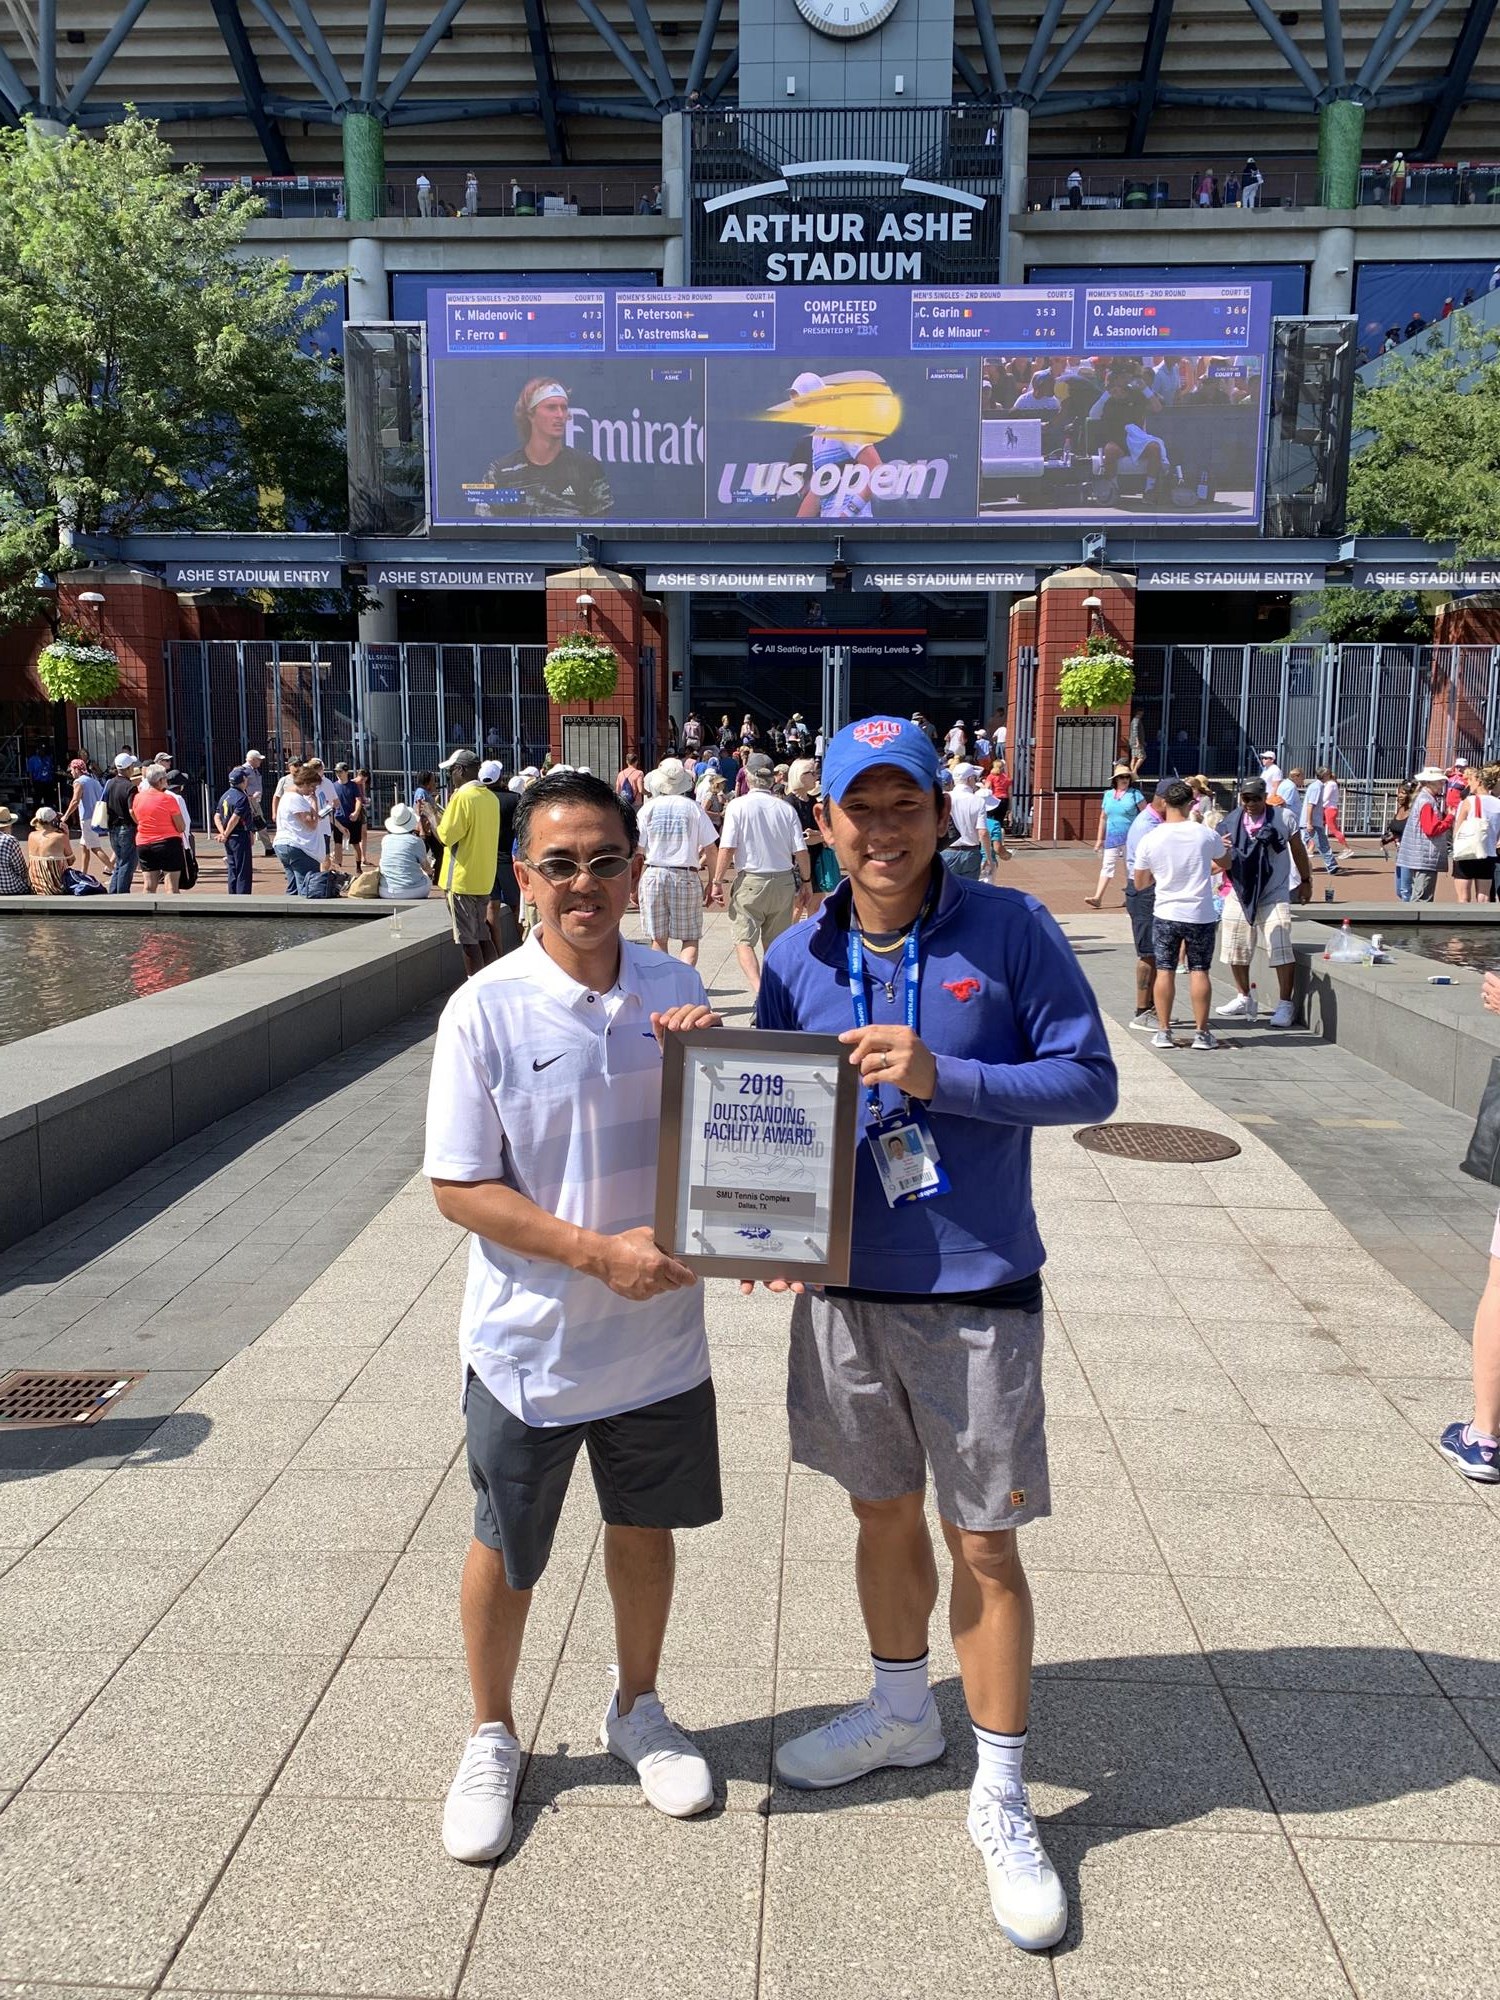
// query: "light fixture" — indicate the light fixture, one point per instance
point(584, 601)
point(1093, 604)
point(91, 597)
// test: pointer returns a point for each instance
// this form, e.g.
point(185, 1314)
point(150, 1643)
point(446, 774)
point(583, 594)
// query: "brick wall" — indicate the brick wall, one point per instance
point(620, 617)
point(1062, 625)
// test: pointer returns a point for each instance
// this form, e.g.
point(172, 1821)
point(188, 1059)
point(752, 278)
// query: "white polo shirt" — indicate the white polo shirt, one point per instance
point(674, 831)
point(555, 1091)
point(764, 833)
point(967, 809)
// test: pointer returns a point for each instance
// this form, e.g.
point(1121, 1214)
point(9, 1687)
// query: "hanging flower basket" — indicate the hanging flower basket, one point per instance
point(581, 668)
point(1098, 676)
point(76, 670)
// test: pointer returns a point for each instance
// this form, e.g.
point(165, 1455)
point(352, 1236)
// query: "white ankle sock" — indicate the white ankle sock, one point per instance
point(1000, 1759)
point(902, 1686)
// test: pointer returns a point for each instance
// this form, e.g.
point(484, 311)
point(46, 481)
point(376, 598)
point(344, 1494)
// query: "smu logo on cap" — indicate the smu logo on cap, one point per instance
point(877, 732)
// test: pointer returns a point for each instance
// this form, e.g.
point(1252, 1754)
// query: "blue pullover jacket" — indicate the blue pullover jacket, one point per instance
point(1018, 1041)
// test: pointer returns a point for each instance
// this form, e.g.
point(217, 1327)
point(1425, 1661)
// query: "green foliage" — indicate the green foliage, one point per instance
point(1099, 676)
point(150, 375)
point(1427, 436)
point(1339, 612)
point(73, 668)
point(580, 668)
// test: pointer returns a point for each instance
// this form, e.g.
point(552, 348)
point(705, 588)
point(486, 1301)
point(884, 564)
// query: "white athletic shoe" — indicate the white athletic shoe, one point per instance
point(1240, 1008)
point(674, 1774)
point(1028, 1900)
point(1204, 1039)
point(477, 1811)
point(1162, 1039)
point(1284, 1015)
point(1145, 1022)
point(861, 1740)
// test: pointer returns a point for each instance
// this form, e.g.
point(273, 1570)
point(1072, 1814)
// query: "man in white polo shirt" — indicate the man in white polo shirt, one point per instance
point(971, 850)
point(577, 1331)
point(762, 839)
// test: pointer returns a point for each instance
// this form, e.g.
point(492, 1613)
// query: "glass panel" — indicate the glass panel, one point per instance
point(383, 419)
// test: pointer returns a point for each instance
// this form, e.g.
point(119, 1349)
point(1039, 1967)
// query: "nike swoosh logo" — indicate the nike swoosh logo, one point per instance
point(549, 1062)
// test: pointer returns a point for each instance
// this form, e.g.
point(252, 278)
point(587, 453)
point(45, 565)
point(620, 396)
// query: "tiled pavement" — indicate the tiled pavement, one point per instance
point(1267, 1717)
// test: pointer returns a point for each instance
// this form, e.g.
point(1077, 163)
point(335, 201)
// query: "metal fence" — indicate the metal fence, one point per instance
point(1371, 713)
point(398, 710)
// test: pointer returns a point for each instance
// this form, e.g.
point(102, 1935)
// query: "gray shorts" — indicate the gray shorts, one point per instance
point(656, 1467)
point(877, 1393)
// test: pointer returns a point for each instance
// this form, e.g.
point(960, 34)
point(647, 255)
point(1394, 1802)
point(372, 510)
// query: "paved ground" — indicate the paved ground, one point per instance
point(1267, 1723)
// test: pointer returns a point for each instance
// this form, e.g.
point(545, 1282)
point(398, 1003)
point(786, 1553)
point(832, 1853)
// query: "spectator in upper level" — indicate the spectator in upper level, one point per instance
point(1252, 180)
point(1075, 189)
point(471, 194)
point(424, 195)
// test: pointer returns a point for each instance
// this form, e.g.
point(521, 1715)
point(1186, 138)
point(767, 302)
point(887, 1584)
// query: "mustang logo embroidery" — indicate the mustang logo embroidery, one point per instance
point(961, 989)
point(877, 732)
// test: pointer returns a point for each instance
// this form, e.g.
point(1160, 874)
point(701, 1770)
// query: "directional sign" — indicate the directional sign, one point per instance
point(805, 648)
point(253, 576)
point(701, 576)
point(1426, 576)
point(457, 576)
point(1229, 576)
point(905, 579)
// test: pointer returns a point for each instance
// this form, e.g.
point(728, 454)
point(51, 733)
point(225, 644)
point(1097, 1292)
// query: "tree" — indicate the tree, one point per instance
point(151, 376)
point(1426, 462)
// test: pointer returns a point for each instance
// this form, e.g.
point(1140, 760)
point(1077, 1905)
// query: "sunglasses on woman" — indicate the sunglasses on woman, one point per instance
point(559, 869)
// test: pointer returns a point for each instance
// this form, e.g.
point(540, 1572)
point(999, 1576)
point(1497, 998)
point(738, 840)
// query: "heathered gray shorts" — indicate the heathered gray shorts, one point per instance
point(878, 1393)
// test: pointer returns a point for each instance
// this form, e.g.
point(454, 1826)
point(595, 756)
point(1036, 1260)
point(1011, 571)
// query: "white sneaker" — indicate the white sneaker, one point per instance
point(1240, 1008)
point(1284, 1015)
point(1145, 1022)
point(861, 1740)
point(674, 1775)
point(1205, 1040)
point(477, 1811)
point(1028, 1900)
point(1162, 1039)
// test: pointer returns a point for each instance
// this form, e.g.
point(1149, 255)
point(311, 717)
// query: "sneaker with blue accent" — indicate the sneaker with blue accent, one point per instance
point(1477, 1458)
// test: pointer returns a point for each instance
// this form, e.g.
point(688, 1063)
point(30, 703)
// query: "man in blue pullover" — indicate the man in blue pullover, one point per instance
point(969, 1021)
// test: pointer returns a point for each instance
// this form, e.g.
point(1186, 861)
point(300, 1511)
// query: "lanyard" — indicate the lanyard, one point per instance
point(911, 981)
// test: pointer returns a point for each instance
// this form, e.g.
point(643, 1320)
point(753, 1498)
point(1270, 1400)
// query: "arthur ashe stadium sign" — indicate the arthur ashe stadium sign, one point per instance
point(904, 231)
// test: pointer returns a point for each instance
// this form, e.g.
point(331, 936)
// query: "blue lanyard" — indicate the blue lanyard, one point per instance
point(911, 981)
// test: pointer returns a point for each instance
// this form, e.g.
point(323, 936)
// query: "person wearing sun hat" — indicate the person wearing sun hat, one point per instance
point(1428, 837)
point(403, 856)
point(15, 877)
point(678, 838)
point(970, 1022)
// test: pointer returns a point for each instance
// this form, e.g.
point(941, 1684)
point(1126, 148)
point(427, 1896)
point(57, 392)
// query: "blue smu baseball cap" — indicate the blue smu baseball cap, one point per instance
point(878, 739)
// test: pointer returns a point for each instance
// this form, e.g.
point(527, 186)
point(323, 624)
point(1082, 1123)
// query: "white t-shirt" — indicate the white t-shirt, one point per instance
point(1312, 800)
point(674, 831)
point(955, 740)
point(967, 810)
point(554, 1090)
point(764, 833)
point(292, 824)
point(1178, 853)
point(1273, 775)
point(1330, 794)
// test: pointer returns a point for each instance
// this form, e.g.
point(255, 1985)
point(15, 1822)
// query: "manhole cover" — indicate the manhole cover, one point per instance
point(1166, 1145)
point(36, 1399)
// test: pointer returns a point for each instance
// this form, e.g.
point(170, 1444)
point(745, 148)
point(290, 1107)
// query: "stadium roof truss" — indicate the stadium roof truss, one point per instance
point(576, 71)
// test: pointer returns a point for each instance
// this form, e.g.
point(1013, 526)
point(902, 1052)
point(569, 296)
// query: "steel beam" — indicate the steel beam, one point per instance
point(436, 28)
point(607, 34)
point(105, 54)
point(989, 43)
point(322, 55)
point(46, 54)
point(651, 43)
point(1072, 45)
point(369, 75)
point(1286, 48)
point(1063, 102)
point(252, 84)
point(453, 111)
point(703, 48)
point(1409, 40)
point(966, 70)
point(1041, 41)
point(723, 74)
point(19, 97)
point(1390, 27)
point(296, 51)
point(1455, 81)
point(1333, 46)
point(1296, 101)
point(1157, 30)
point(632, 110)
point(546, 82)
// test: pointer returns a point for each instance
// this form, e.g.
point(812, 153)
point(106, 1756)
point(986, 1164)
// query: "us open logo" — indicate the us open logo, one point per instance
point(877, 732)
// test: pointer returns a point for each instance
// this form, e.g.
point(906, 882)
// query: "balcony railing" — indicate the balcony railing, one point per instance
point(1286, 183)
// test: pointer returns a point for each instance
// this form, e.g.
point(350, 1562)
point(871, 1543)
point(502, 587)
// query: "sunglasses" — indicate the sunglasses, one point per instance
point(561, 868)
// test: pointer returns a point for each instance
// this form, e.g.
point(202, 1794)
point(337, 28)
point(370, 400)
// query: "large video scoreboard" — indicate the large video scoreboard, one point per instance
point(881, 407)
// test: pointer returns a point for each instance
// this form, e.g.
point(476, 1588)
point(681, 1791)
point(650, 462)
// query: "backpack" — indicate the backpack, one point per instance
point(323, 888)
point(627, 792)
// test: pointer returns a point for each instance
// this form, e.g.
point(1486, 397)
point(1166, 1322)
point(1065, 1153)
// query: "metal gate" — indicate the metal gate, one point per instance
point(1022, 746)
point(398, 710)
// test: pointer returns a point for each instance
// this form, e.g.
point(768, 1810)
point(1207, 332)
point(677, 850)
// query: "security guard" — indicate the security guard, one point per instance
point(234, 819)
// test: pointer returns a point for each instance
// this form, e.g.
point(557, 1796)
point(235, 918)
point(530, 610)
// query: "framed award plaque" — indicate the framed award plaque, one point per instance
point(755, 1177)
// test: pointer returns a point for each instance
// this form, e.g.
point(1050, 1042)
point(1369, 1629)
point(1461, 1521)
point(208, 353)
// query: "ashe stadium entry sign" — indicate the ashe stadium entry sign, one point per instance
point(891, 406)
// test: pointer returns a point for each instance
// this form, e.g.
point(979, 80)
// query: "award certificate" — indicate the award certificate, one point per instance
point(755, 1177)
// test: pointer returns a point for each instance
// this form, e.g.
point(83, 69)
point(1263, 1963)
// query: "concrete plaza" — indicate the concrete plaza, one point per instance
point(1266, 1731)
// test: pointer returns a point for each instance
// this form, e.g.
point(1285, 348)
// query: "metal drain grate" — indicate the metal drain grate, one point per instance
point(1163, 1145)
point(39, 1399)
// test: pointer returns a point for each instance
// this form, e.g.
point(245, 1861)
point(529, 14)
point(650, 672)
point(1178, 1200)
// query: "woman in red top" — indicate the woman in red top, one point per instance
point(998, 810)
point(158, 833)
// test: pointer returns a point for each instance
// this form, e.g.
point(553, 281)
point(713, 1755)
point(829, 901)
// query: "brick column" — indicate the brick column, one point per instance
point(1062, 626)
point(620, 618)
point(138, 616)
